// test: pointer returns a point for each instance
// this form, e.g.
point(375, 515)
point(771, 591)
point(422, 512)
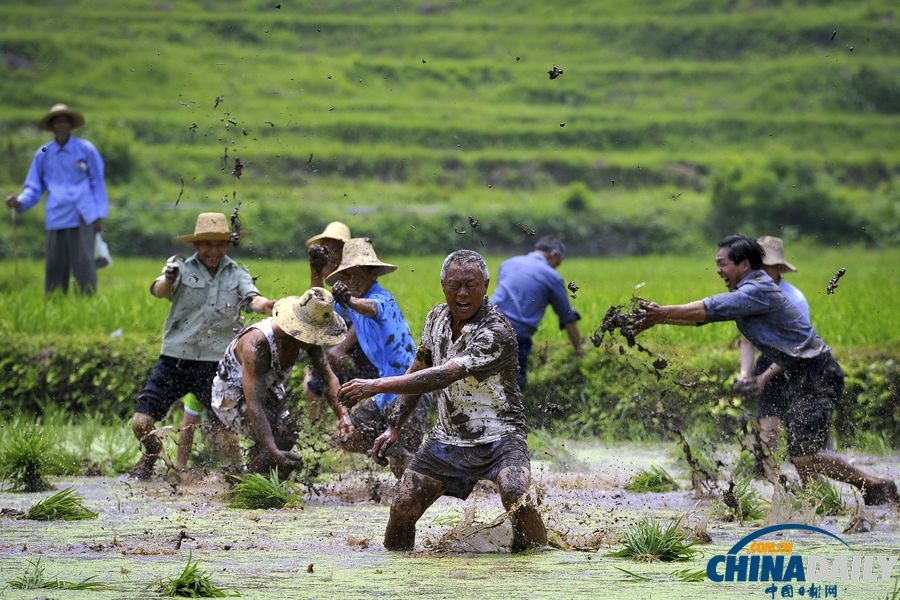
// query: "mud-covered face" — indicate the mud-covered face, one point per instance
point(464, 289)
point(358, 280)
point(730, 272)
point(211, 253)
point(335, 252)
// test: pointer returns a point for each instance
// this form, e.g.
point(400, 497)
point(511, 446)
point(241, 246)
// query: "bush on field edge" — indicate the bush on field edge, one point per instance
point(608, 394)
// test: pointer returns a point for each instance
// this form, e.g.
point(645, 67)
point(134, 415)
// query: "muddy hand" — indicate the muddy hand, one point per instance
point(171, 271)
point(288, 459)
point(12, 201)
point(318, 256)
point(652, 316)
point(382, 444)
point(356, 390)
point(341, 294)
point(745, 386)
point(346, 431)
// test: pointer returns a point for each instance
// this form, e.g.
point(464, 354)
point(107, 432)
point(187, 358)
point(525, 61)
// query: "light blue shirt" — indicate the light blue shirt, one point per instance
point(795, 296)
point(526, 285)
point(385, 338)
point(767, 318)
point(73, 177)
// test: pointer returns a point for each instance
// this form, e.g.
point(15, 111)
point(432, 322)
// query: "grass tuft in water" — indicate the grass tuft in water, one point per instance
point(259, 491)
point(27, 458)
point(743, 503)
point(824, 496)
point(64, 505)
point(34, 579)
point(649, 541)
point(683, 575)
point(654, 479)
point(193, 583)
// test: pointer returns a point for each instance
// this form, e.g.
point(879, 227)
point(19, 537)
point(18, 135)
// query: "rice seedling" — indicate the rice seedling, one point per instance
point(64, 505)
point(654, 479)
point(649, 541)
point(193, 583)
point(683, 575)
point(741, 502)
point(27, 457)
point(34, 579)
point(824, 496)
point(259, 491)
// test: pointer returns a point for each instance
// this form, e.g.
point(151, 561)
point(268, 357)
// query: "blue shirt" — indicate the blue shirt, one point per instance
point(795, 296)
point(385, 338)
point(766, 317)
point(526, 285)
point(73, 176)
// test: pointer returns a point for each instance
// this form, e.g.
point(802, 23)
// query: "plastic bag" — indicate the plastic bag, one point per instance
point(101, 252)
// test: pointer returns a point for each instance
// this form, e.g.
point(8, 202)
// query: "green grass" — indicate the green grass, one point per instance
point(192, 582)
point(824, 496)
point(259, 491)
point(683, 575)
point(63, 505)
point(748, 505)
point(29, 454)
point(654, 479)
point(35, 579)
point(649, 540)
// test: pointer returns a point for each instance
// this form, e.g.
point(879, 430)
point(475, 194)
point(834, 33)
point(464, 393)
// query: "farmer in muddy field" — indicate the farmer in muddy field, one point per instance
point(70, 170)
point(775, 326)
point(772, 400)
point(325, 251)
point(378, 344)
point(526, 285)
point(207, 291)
point(248, 392)
point(468, 355)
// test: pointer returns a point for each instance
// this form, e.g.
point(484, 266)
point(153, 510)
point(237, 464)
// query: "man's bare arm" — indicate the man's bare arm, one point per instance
point(331, 385)
point(419, 382)
point(675, 314)
point(575, 337)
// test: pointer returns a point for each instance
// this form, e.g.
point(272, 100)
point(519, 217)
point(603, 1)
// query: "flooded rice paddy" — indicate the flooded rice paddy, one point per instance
point(331, 546)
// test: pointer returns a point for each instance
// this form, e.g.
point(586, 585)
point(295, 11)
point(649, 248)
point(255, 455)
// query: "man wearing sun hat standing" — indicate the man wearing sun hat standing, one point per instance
point(207, 291)
point(379, 344)
point(772, 401)
point(70, 169)
point(248, 392)
point(325, 252)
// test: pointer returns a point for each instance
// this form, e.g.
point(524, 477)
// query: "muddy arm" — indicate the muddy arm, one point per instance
point(414, 383)
point(331, 385)
point(675, 314)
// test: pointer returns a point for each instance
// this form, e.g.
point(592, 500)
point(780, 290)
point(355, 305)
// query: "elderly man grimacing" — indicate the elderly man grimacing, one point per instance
point(468, 355)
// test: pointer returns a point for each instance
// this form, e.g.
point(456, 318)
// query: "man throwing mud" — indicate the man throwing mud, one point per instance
point(248, 393)
point(468, 355)
point(779, 330)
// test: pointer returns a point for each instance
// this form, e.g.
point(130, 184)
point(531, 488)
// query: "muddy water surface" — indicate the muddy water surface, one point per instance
point(268, 553)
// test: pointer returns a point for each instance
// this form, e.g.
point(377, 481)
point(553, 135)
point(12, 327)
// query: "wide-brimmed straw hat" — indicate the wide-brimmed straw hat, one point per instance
point(310, 318)
point(61, 110)
point(210, 227)
point(358, 252)
point(333, 231)
point(774, 257)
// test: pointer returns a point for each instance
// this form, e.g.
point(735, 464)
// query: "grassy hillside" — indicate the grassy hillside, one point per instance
point(410, 116)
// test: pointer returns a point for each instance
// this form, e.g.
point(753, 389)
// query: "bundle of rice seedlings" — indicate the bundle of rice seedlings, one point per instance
point(649, 541)
point(824, 496)
point(34, 579)
point(64, 505)
point(258, 491)
point(27, 458)
point(654, 479)
point(192, 583)
point(741, 502)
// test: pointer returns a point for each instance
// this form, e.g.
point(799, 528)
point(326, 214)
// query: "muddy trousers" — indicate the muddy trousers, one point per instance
point(71, 251)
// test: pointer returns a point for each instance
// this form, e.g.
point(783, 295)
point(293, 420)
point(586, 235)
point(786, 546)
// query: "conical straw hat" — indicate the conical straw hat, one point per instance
point(358, 252)
point(334, 230)
point(310, 318)
point(210, 227)
point(61, 110)
point(774, 257)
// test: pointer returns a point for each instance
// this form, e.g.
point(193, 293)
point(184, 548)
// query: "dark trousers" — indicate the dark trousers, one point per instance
point(71, 251)
point(524, 351)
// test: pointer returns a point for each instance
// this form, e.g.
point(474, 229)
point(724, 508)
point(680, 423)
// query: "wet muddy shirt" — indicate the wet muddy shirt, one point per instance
point(385, 338)
point(228, 384)
point(205, 313)
point(487, 403)
point(775, 325)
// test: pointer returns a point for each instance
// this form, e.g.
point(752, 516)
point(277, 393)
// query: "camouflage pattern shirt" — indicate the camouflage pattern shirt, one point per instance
point(486, 404)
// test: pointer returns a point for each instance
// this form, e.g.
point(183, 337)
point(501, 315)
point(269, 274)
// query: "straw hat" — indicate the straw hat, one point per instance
point(774, 257)
point(61, 110)
point(358, 252)
point(210, 227)
point(310, 318)
point(334, 231)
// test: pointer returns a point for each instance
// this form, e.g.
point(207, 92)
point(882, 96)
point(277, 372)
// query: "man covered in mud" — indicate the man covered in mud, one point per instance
point(207, 291)
point(468, 355)
point(248, 393)
point(378, 344)
point(526, 285)
point(772, 400)
point(785, 336)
